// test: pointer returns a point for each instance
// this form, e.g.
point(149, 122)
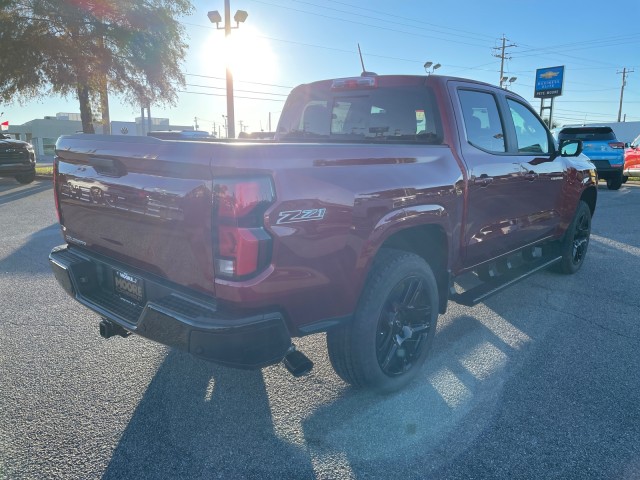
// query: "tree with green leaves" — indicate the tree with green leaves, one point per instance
point(80, 46)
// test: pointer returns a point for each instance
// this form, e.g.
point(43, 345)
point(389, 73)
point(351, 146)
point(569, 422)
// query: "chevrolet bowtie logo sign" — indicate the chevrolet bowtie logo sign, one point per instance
point(549, 82)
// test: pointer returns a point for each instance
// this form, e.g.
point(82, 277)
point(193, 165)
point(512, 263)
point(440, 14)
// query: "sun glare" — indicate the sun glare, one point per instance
point(247, 54)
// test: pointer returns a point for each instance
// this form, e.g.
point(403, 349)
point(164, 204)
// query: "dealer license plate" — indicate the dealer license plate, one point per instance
point(128, 285)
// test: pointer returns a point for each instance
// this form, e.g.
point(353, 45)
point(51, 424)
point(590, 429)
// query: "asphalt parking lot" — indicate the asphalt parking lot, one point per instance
point(541, 381)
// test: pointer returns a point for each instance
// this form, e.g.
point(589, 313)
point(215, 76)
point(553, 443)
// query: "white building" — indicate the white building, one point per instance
point(42, 133)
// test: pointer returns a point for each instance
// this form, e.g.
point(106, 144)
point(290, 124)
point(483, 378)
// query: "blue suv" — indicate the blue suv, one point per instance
point(602, 148)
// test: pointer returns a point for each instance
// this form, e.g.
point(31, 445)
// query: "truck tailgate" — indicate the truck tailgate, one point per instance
point(142, 201)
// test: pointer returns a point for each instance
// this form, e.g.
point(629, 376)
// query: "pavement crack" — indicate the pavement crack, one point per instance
point(593, 323)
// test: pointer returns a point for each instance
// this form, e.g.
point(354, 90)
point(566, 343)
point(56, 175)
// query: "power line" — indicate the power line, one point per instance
point(377, 27)
point(244, 91)
point(387, 21)
point(238, 81)
point(236, 96)
point(387, 14)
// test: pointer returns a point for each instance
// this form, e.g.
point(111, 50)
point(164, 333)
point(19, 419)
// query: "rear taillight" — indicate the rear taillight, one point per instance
point(55, 189)
point(242, 247)
point(616, 145)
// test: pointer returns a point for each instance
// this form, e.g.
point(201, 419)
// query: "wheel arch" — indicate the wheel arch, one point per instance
point(431, 243)
point(590, 196)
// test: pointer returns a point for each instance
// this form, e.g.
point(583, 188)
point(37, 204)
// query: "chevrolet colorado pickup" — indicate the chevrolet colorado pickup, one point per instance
point(378, 199)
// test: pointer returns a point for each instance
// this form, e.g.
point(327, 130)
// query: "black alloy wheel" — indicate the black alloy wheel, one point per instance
point(388, 340)
point(573, 247)
point(403, 326)
point(581, 235)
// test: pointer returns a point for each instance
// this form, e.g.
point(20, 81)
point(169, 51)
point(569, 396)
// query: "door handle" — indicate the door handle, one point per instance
point(483, 180)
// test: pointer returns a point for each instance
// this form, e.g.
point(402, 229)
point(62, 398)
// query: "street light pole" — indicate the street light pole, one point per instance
point(239, 18)
point(231, 132)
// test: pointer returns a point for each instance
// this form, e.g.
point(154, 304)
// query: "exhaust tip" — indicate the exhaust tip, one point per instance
point(297, 362)
point(109, 329)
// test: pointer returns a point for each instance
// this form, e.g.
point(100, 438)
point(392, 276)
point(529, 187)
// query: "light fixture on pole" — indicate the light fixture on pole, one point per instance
point(507, 81)
point(430, 67)
point(239, 17)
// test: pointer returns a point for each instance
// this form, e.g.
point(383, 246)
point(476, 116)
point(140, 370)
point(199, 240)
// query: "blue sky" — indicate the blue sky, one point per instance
point(287, 42)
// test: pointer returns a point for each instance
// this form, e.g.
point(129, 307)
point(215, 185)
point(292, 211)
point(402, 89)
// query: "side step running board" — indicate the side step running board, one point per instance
point(480, 293)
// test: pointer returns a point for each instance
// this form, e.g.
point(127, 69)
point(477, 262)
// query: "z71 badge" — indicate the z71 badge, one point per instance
point(295, 216)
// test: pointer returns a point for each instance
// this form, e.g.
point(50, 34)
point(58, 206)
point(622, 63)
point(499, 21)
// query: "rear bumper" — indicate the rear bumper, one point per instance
point(17, 162)
point(171, 316)
point(632, 171)
point(606, 169)
point(9, 170)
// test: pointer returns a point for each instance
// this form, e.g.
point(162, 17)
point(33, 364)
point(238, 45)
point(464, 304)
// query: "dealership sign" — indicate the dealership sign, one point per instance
point(549, 82)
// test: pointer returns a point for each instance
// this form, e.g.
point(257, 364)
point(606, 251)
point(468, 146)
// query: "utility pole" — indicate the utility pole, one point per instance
point(503, 56)
point(624, 73)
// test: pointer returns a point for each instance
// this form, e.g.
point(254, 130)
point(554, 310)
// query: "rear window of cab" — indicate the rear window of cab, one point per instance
point(361, 114)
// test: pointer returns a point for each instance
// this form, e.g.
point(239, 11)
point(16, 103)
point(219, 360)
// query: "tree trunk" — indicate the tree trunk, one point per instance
point(85, 109)
point(104, 107)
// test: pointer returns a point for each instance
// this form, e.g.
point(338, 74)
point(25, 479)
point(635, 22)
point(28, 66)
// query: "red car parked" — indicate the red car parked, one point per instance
point(632, 160)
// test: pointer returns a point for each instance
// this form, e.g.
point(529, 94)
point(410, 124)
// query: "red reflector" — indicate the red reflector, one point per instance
point(616, 145)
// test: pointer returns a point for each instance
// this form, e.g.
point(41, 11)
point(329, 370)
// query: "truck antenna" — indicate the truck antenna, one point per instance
point(364, 70)
point(361, 61)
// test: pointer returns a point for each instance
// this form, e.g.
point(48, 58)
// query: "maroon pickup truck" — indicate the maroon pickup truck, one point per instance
point(380, 197)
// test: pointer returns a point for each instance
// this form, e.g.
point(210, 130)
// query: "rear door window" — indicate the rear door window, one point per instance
point(482, 122)
point(531, 134)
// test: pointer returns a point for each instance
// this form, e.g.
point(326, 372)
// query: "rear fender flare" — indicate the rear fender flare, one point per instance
point(398, 220)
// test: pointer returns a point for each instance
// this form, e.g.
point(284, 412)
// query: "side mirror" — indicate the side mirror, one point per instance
point(627, 144)
point(570, 148)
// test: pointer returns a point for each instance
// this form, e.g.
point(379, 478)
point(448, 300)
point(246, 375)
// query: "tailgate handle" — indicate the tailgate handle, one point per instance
point(107, 166)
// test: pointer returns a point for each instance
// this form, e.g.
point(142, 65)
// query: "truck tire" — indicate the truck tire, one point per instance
point(573, 246)
point(25, 178)
point(614, 183)
point(390, 336)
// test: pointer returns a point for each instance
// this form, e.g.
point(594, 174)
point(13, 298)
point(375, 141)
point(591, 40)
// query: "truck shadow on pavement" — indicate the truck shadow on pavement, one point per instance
point(33, 256)
point(530, 374)
point(10, 191)
point(199, 420)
